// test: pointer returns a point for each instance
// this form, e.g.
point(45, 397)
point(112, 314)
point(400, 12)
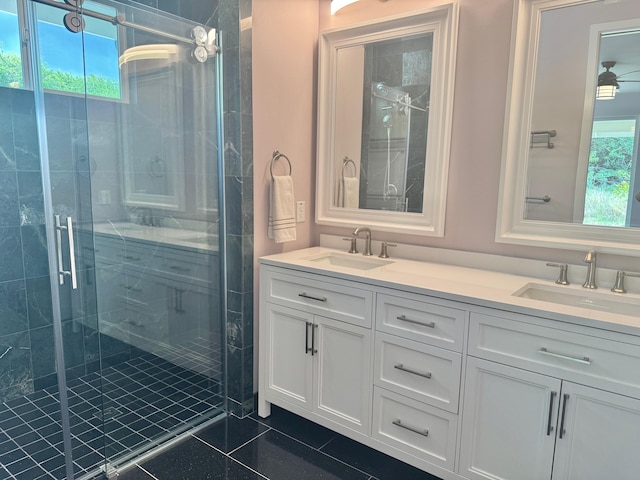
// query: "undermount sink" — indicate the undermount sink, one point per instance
point(606, 302)
point(349, 260)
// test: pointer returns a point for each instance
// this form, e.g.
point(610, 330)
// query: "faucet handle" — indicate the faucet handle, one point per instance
point(562, 278)
point(618, 287)
point(383, 249)
point(354, 245)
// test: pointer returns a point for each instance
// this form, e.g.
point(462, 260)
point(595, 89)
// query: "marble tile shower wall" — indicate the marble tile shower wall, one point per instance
point(27, 356)
point(23, 258)
point(405, 64)
point(235, 22)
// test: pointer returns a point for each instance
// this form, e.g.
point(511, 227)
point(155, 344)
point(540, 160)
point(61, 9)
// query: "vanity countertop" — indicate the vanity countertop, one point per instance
point(474, 286)
point(173, 237)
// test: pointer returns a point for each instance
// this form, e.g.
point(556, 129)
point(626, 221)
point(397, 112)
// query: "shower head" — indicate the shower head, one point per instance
point(387, 121)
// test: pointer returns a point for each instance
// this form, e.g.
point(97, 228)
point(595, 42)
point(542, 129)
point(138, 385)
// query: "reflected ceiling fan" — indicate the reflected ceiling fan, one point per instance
point(609, 82)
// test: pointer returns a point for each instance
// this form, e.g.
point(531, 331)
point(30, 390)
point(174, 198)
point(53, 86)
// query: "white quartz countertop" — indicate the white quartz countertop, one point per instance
point(474, 286)
point(169, 236)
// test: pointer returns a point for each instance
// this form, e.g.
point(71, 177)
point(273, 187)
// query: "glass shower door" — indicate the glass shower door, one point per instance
point(128, 113)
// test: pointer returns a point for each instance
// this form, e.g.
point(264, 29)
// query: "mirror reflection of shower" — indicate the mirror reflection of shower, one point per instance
point(390, 117)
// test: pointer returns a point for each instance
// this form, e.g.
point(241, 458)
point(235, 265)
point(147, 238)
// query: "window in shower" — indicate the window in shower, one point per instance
point(10, 59)
point(62, 66)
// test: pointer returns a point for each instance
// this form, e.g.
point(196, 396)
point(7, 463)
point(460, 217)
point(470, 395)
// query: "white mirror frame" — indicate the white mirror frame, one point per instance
point(443, 22)
point(511, 226)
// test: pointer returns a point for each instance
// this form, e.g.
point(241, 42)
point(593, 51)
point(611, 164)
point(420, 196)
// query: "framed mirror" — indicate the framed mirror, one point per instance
point(384, 122)
point(154, 169)
point(570, 165)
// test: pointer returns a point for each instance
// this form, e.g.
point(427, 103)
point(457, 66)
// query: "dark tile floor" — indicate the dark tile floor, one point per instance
point(144, 400)
point(281, 447)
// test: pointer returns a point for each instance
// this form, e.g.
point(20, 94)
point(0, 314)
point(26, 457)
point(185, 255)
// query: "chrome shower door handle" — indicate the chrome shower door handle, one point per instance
point(62, 273)
point(72, 254)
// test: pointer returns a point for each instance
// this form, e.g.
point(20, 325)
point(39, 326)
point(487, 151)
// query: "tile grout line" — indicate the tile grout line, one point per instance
point(147, 472)
point(318, 449)
point(326, 443)
point(246, 443)
point(231, 458)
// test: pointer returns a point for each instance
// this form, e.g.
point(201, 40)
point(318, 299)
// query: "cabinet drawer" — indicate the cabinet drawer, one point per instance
point(599, 362)
point(422, 372)
point(413, 318)
point(335, 300)
point(414, 427)
point(190, 265)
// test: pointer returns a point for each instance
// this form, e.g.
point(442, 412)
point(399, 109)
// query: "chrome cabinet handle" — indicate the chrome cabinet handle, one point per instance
point(314, 350)
point(417, 322)
point(583, 360)
point(420, 431)
point(549, 421)
point(565, 400)
point(307, 349)
point(311, 297)
point(62, 273)
point(176, 268)
point(400, 366)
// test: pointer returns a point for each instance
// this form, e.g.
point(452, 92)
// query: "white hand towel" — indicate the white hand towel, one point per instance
point(351, 192)
point(282, 221)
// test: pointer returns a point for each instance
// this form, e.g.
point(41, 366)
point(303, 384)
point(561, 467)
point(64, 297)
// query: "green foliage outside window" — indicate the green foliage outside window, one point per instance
point(607, 194)
point(11, 76)
point(10, 70)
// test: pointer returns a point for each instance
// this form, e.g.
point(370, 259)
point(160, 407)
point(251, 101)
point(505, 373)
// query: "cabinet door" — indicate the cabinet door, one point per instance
point(289, 376)
point(343, 373)
point(508, 414)
point(600, 438)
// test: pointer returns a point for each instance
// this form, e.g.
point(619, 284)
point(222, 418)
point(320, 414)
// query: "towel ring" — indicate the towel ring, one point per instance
point(346, 162)
point(276, 156)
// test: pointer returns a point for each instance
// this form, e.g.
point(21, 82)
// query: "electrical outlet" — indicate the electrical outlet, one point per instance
point(300, 211)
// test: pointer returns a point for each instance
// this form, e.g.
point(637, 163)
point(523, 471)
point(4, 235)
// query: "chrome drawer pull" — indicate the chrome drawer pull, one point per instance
point(583, 360)
point(414, 372)
point(423, 432)
point(311, 297)
point(424, 324)
point(178, 268)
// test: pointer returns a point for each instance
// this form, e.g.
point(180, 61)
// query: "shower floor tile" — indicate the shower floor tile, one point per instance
point(145, 400)
point(280, 447)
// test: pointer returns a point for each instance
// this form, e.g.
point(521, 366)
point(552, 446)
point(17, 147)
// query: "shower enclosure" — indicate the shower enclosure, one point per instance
point(112, 284)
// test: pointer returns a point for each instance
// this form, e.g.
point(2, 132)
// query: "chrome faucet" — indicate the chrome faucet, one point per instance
point(367, 239)
point(590, 260)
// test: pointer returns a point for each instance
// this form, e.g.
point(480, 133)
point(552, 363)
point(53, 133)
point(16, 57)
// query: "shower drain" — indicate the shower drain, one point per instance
point(108, 413)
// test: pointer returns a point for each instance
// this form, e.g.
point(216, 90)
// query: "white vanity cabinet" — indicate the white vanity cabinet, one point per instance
point(417, 368)
point(535, 408)
point(315, 347)
point(156, 296)
point(462, 387)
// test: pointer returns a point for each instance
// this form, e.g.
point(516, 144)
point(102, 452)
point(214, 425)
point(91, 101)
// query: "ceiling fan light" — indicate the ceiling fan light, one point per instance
point(338, 4)
point(606, 92)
